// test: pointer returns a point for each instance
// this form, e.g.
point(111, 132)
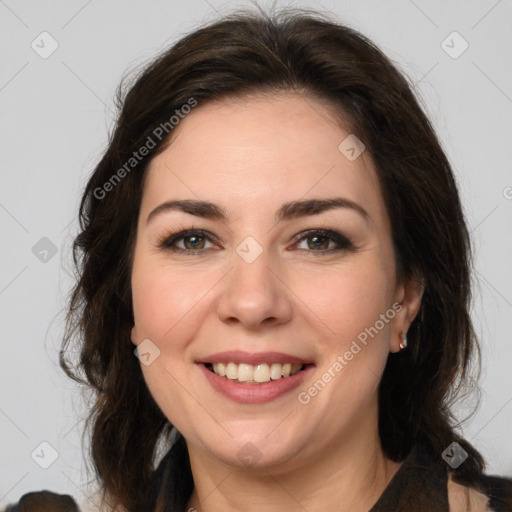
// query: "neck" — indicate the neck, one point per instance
point(344, 476)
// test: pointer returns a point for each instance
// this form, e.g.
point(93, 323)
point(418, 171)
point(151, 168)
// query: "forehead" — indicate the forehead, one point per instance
point(248, 152)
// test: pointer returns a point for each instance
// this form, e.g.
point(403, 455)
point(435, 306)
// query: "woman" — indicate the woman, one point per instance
point(276, 230)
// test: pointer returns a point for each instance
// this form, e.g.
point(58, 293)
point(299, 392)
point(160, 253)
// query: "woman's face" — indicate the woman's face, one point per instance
point(260, 287)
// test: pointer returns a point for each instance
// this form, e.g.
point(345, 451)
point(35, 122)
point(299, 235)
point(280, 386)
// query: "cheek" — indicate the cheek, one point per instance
point(164, 300)
point(355, 308)
point(166, 304)
point(346, 300)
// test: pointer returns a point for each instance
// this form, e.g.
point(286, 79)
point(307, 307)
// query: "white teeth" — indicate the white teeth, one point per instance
point(262, 373)
point(245, 372)
point(232, 371)
point(276, 371)
point(219, 369)
point(259, 373)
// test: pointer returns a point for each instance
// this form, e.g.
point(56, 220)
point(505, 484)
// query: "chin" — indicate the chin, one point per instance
point(255, 450)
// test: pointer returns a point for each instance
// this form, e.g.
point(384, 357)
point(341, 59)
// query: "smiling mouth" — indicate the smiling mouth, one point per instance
point(255, 374)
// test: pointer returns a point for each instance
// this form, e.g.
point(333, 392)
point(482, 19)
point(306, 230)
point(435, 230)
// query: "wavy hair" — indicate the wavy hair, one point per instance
point(256, 52)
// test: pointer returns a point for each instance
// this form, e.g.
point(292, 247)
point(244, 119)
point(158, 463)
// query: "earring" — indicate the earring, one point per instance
point(403, 343)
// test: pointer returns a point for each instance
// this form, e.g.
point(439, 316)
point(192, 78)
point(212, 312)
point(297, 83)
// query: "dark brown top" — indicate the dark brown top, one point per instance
point(420, 485)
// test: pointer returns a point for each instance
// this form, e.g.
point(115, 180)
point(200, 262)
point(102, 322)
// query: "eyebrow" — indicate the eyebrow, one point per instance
point(291, 210)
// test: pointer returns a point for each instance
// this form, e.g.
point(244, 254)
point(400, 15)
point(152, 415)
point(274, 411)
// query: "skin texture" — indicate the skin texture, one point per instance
point(249, 156)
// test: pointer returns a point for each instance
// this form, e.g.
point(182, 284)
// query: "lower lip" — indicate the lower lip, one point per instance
point(255, 393)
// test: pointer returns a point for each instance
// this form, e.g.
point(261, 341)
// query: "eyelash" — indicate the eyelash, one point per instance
point(167, 241)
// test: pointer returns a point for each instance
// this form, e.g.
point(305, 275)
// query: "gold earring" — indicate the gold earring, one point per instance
point(403, 342)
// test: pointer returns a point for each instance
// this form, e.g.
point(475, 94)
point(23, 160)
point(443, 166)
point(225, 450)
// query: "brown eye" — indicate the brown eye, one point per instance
point(190, 241)
point(318, 242)
point(321, 240)
point(193, 242)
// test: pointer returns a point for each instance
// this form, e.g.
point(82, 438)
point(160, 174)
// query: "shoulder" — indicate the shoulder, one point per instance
point(44, 501)
point(493, 494)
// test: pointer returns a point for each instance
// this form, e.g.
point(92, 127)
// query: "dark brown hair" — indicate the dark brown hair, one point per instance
point(248, 53)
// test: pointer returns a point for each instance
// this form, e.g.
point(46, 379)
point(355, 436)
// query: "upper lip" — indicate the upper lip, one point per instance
point(239, 357)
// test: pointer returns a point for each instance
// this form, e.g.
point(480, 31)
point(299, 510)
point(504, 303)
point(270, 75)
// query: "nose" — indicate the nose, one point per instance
point(254, 296)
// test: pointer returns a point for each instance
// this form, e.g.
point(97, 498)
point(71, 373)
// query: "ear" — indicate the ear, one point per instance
point(134, 336)
point(408, 295)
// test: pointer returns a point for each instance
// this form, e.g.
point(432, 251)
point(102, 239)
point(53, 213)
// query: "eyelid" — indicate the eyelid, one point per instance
point(165, 241)
point(343, 242)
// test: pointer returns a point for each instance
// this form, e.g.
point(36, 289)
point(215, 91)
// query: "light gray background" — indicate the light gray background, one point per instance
point(54, 118)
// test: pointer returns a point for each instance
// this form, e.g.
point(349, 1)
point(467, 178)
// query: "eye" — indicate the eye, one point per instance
point(188, 241)
point(194, 241)
point(321, 240)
